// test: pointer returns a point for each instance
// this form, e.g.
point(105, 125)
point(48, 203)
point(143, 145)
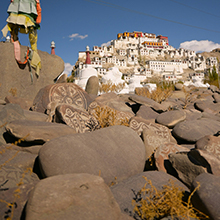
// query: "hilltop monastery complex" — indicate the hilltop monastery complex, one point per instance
point(144, 55)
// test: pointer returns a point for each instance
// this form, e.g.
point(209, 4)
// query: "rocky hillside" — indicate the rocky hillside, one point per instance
point(77, 155)
point(213, 53)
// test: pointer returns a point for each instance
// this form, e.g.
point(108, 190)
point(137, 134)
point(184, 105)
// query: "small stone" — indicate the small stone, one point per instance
point(147, 113)
point(178, 86)
point(148, 102)
point(92, 85)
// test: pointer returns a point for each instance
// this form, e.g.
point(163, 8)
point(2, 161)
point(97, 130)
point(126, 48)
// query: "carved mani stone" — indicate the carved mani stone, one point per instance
point(63, 93)
point(78, 119)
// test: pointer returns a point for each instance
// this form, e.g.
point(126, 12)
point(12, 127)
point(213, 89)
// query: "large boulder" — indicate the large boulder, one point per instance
point(178, 86)
point(17, 81)
point(208, 160)
point(116, 152)
point(207, 151)
point(72, 196)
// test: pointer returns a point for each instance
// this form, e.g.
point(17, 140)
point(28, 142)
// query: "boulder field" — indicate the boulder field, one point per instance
point(76, 155)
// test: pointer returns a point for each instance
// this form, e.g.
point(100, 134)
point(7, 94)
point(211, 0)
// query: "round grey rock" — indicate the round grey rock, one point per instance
point(116, 152)
point(72, 196)
point(92, 85)
point(171, 118)
point(192, 131)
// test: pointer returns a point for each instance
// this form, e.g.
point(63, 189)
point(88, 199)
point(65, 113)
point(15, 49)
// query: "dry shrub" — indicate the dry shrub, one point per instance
point(191, 95)
point(159, 94)
point(188, 97)
point(111, 87)
point(213, 82)
point(109, 117)
point(152, 203)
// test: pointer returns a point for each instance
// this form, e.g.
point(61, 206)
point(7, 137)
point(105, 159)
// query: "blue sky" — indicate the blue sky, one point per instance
point(72, 24)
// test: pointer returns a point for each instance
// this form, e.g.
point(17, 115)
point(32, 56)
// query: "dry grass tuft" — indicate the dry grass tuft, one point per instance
point(156, 204)
point(191, 95)
point(109, 117)
point(111, 87)
point(158, 95)
point(188, 97)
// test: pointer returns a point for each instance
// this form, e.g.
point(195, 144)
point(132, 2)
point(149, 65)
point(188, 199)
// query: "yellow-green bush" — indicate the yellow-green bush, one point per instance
point(111, 87)
point(155, 204)
point(159, 94)
point(213, 77)
point(109, 117)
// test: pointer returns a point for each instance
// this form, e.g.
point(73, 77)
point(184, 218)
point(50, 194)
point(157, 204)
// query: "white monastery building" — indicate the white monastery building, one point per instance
point(131, 47)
